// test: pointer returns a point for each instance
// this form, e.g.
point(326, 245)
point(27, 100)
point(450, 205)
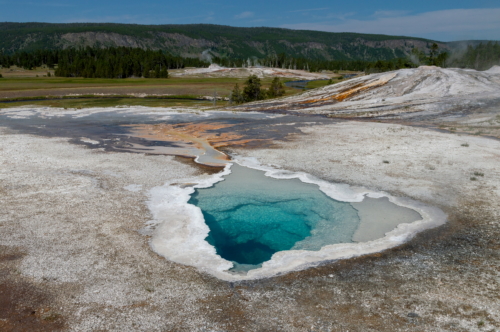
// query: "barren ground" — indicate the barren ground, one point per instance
point(71, 256)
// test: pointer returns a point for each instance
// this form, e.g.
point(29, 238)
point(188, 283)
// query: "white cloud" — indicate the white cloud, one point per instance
point(244, 15)
point(453, 23)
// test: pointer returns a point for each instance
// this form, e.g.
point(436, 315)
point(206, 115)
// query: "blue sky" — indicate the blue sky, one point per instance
point(441, 20)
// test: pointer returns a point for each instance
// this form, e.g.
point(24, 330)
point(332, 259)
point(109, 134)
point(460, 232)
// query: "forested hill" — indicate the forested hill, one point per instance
point(207, 40)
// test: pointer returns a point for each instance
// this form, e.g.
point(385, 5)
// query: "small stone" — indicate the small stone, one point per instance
point(413, 315)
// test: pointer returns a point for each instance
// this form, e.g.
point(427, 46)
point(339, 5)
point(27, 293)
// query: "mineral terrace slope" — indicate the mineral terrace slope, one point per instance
point(426, 91)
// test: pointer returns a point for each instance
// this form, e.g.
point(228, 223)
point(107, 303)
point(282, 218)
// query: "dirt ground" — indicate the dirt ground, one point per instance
point(15, 71)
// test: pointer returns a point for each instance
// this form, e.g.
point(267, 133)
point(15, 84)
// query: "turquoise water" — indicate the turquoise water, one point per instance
point(252, 216)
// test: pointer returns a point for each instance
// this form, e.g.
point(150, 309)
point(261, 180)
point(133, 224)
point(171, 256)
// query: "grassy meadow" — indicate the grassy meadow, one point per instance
point(321, 83)
point(22, 87)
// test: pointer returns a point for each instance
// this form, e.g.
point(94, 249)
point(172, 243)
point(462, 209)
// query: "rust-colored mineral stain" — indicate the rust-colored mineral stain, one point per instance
point(352, 90)
point(190, 132)
point(194, 133)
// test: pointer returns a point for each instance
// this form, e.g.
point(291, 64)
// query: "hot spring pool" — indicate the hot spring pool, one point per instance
point(252, 216)
point(253, 221)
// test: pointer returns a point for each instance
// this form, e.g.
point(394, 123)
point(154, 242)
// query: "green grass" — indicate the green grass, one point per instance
point(112, 102)
point(33, 83)
point(91, 96)
point(16, 83)
point(81, 92)
point(320, 83)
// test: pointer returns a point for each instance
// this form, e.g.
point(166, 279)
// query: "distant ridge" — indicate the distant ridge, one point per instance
point(204, 40)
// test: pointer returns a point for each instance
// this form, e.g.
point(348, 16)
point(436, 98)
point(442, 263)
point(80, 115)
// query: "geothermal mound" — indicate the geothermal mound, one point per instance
point(493, 70)
point(422, 91)
point(215, 70)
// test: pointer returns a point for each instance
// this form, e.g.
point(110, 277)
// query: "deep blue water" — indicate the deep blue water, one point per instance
point(252, 216)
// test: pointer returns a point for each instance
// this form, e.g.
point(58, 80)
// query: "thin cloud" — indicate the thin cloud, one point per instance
point(483, 23)
point(307, 10)
point(112, 19)
point(40, 4)
point(341, 16)
point(141, 19)
point(390, 13)
point(210, 16)
point(244, 15)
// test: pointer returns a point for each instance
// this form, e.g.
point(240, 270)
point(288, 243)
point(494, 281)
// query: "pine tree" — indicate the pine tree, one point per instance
point(276, 89)
point(433, 54)
point(164, 72)
point(252, 90)
point(146, 71)
point(441, 59)
point(236, 95)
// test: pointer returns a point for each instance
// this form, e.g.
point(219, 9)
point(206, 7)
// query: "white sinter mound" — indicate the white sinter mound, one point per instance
point(425, 89)
point(493, 70)
point(215, 70)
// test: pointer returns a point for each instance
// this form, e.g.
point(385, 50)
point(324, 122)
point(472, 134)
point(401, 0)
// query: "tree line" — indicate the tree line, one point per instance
point(481, 57)
point(284, 61)
point(123, 62)
point(113, 62)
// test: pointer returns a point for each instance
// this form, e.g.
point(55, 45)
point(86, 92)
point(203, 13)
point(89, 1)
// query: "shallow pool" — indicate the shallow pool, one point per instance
point(252, 216)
